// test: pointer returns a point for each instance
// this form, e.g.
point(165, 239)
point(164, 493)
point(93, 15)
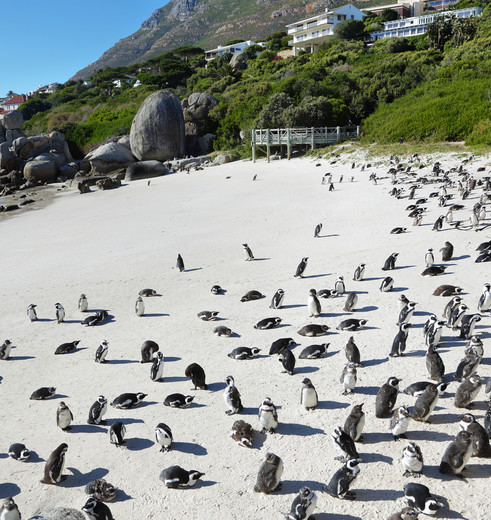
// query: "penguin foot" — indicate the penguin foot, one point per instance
point(416, 474)
point(349, 495)
point(407, 473)
point(229, 412)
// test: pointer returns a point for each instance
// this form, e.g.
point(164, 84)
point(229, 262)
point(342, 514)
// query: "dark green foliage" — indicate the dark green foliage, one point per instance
point(388, 15)
point(233, 42)
point(34, 106)
point(349, 30)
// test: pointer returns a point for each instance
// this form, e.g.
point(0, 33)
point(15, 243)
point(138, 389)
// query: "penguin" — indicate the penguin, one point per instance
point(480, 438)
point(83, 303)
point(42, 393)
point(487, 419)
point(268, 416)
point(308, 397)
point(97, 410)
point(268, 323)
point(386, 397)
point(406, 513)
point(248, 252)
point(208, 315)
point(434, 270)
point(417, 219)
point(451, 305)
point(447, 290)
point(222, 331)
point(434, 335)
point(148, 349)
point(390, 263)
point(101, 490)
point(487, 389)
point(425, 403)
point(475, 345)
point(484, 257)
point(430, 323)
point(65, 348)
point(457, 454)
point(147, 293)
point(355, 423)
point(5, 350)
point(197, 375)
point(447, 252)
point(314, 351)
point(60, 313)
point(287, 359)
point(175, 477)
point(348, 379)
point(341, 481)
point(467, 391)
point(250, 296)
point(242, 433)
point(101, 352)
point(277, 300)
point(434, 365)
point(438, 225)
point(139, 307)
point(97, 510)
point(387, 284)
point(407, 313)
point(18, 451)
point(128, 400)
point(359, 272)
point(216, 289)
point(178, 400)
point(269, 476)
point(344, 444)
point(398, 230)
point(351, 301)
point(326, 293)
point(456, 316)
point(54, 466)
point(301, 268)
point(313, 330)
point(163, 436)
point(351, 324)
point(412, 460)
point(95, 319)
point(317, 230)
point(468, 324)
point(339, 287)
point(313, 304)
point(9, 510)
point(419, 497)
point(116, 434)
point(402, 302)
point(64, 417)
point(180, 263)
point(278, 345)
point(31, 312)
point(429, 258)
point(352, 352)
point(399, 422)
point(418, 388)
point(241, 353)
point(157, 368)
point(231, 397)
point(484, 302)
point(303, 505)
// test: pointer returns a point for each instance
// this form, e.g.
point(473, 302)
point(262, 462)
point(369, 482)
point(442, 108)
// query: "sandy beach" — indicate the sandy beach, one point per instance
point(111, 244)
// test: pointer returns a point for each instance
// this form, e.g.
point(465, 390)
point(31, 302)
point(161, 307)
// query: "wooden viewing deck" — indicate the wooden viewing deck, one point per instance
point(308, 136)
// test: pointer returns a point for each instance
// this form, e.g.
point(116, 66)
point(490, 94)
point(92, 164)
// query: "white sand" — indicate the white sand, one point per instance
point(111, 244)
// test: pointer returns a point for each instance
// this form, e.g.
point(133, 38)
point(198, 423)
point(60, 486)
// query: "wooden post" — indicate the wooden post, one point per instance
point(338, 132)
point(312, 141)
point(268, 145)
point(253, 145)
point(288, 143)
point(325, 135)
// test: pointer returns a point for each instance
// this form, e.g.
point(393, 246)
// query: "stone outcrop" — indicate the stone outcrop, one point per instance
point(13, 120)
point(107, 158)
point(196, 110)
point(145, 170)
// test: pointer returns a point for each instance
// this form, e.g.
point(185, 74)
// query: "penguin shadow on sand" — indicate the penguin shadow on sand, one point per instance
point(291, 487)
point(377, 495)
point(398, 267)
point(138, 443)
point(121, 361)
point(446, 418)
point(328, 516)
point(400, 289)
point(376, 438)
point(79, 479)
point(300, 430)
point(189, 447)
point(155, 315)
point(218, 386)
point(374, 457)
point(305, 370)
point(331, 405)
point(366, 390)
point(171, 359)
point(371, 363)
point(306, 276)
point(367, 308)
point(124, 420)
point(415, 353)
point(19, 358)
point(85, 428)
point(429, 435)
point(8, 489)
point(172, 379)
point(461, 257)
point(294, 306)
point(192, 269)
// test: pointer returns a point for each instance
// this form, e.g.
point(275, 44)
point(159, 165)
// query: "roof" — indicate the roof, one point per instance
point(15, 99)
point(326, 12)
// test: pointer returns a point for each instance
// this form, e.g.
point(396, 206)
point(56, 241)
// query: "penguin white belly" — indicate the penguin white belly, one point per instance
point(486, 304)
point(430, 409)
point(401, 427)
point(140, 309)
point(311, 508)
point(465, 459)
point(60, 315)
point(10, 515)
point(160, 370)
point(309, 398)
point(83, 306)
point(5, 354)
point(411, 463)
point(279, 472)
point(64, 419)
point(349, 383)
point(313, 308)
point(163, 439)
point(267, 421)
point(359, 427)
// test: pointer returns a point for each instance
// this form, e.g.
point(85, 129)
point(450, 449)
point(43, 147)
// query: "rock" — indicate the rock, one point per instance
point(59, 146)
point(2, 133)
point(42, 168)
point(6, 156)
point(13, 120)
point(60, 513)
point(145, 170)
point(27, 151)
point(108, 183)
point(222, 159)
point(18, 143)
point(68, 170)
point(107, 158)
point(196, 109)
point(204, 143)
point(125, 141)
point(157, 131)
point(239, 61)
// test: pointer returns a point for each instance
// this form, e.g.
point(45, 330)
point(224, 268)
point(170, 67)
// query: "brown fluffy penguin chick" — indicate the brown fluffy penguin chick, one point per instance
point(242, 433)
point(269, 476)
point(407, 513)
point(425, 403)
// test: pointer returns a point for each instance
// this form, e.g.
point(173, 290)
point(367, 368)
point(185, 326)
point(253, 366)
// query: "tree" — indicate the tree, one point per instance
point(387, 15)
point(33, 106)
point(273, 113)
point(349, 30)
point(233, 42)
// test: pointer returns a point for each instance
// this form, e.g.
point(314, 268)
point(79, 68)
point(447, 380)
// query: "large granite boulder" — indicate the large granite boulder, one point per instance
point(157, 131)
point(13, 120)
point(125, 141)
point(107, 158)
point(7, 158)
point(239, 61)
point(44, 167)
point(60, 513)
point(145, 170)
point(196, 109)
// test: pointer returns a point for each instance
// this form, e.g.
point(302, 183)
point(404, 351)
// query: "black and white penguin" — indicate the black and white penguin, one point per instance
point(175, 477)
point(339, 286)
point(97, 410)
point(242, 353)
point(197, 375)
point(5, 350)
point(425, 403)
point(412, 460)
point(231, 397)
point(484, 302)
point(178, 400)
point(216, 289)
point(157, 368)
point(117, 433)
point(301, 268)
point(65, 348)
point(468, 324)
point(83, 303)
point(208, 315)
point(95, 319)
point(314, 351)
point(148, 349)
point(180, 263)
point(434, 335)
point(451, 306)
point(386, 397)
point(430, 323)
point(457, 454)
point(351, 324)
point(64, 417)
point(387, 284)
point(467, 391)
point(434, 270)
point(344, 444)
point(54, 466)
point(18, 451)
point(447, 290)
point(326, 293)
point(419, 497)
point(348, 378)
point(147, 293)
point(398, 230)
point(399, 342)
point(487, 419)
point(31, 312)
point(269, 476)
point(222, 331)
point(101, 352)
point(303, 505)
point(402, 302)
point(313, 330)
point(456, 316)
point(139, 307)
point(429, 258)
point(399, 422)
point(447, 252)
point(351, 301)
point(268, 323)
point(475, 345)
point(314, 304)
point(163, 436)
point(268, 416)
point(248, 252)
point(390, 263)
point(309, 398)
point(251, 296)
point(97, 510)
point(359, 272)
point(278, 345)
point(60, 313)
point(9, 510)
point(416, 389)
point(277, 300)
point(406, 313)
point(434, 365)
point(128, 400)
point(352, 352)
point(341, 481)
point(317, 230)
point(406, 513)
point(242, 433)
point(288, 361)
point(355, 423)
point(480, 437)
point(45, 392)
point(438, 225)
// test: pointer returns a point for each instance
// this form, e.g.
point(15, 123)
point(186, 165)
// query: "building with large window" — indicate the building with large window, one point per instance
point(233, 49)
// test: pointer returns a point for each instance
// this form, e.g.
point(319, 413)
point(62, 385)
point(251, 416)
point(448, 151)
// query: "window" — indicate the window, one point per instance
point(352, 16)
point(315, 34)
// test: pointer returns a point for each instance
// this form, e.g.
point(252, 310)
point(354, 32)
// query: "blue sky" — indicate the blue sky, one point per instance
point(44, 42)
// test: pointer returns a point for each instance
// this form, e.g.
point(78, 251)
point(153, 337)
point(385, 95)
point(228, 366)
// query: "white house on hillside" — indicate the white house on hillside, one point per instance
point(233, 49)
point(308, 34)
